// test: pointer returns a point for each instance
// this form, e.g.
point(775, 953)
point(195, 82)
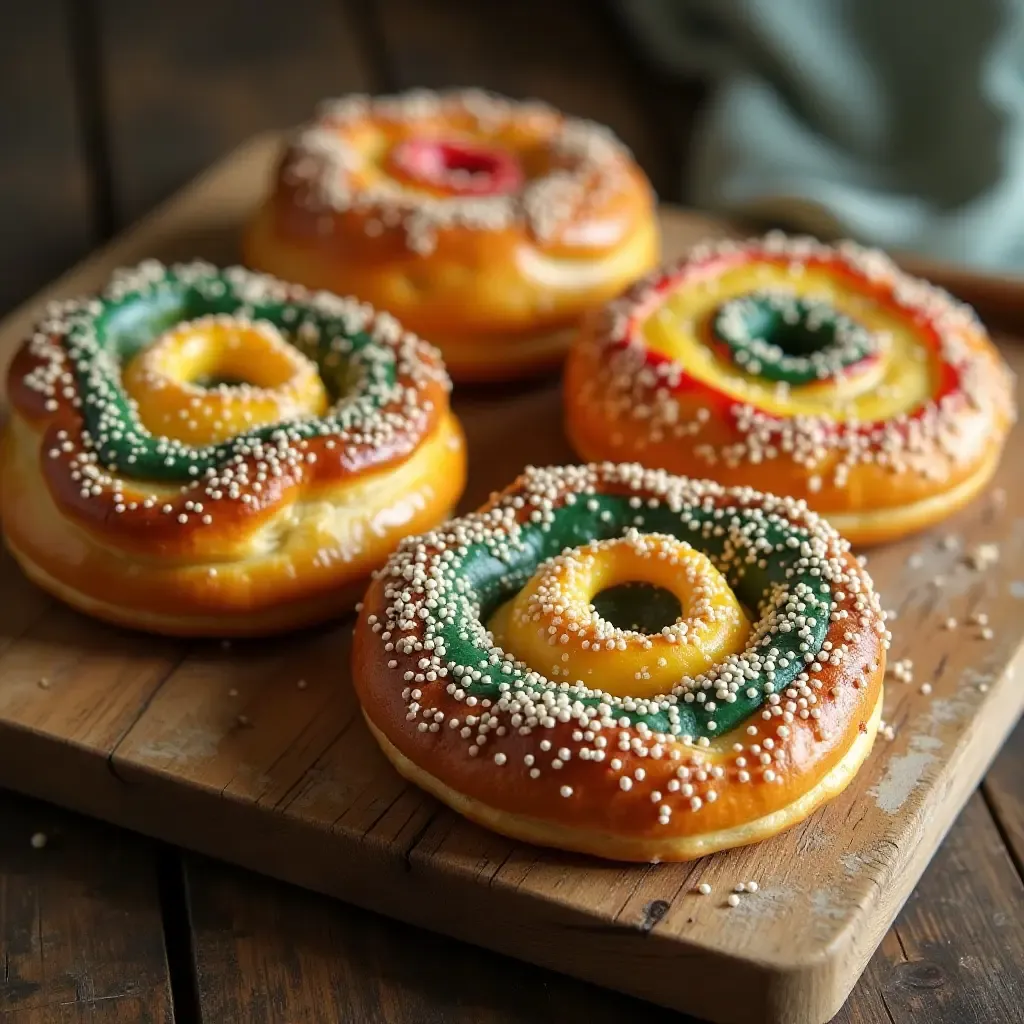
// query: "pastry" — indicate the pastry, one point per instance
point(616, 661)
point(486, 225)
point(208, 452)
point(820, 372)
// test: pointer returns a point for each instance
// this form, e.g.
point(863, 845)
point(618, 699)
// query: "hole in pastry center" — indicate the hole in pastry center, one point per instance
point(242, 362)
point(457, 166)
point(639, 606)
point(792, 339)
point(796, 330)
point(209, 379)
point(220, 380)
point(797, 339)
point(467, 162)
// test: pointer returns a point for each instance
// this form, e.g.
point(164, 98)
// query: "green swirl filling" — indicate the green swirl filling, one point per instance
point(360, 374)
point(482, 576)
point(781, 337)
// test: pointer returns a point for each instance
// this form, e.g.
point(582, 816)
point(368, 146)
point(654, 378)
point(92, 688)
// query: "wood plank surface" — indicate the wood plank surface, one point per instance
point(270, 952)
point(267, 953)
point(1004, 784)
point(954, 955)
point(189, 80)
point(301, 791)
point(81, 930)
point(44, 196)
point(81, 937)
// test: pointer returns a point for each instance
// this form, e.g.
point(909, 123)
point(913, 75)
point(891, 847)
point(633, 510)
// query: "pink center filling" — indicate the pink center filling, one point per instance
point(462, 168)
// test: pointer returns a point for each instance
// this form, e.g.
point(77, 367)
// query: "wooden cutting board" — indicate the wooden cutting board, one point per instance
point(255, 752)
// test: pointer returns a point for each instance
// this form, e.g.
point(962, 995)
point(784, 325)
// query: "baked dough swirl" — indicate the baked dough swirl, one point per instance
point(820, 372)
point(486, 225)
point(208, 452)
point(501, 669)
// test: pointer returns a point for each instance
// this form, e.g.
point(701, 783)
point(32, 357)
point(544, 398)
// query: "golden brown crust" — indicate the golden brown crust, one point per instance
point(882, 480)
point(277, 534)
point(146, 529)
point(519, 264)
point(874, 504)
point(645, 849)
point(783, 754)
point(259, 582)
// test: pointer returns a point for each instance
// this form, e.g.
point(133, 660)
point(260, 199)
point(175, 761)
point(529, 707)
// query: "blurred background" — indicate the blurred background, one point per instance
point(108, 106)
point(899, 122)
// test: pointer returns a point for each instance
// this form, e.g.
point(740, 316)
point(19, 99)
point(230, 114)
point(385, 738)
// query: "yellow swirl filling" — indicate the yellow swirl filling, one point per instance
point(552, 626)
point(903, 376)
point(208, 380)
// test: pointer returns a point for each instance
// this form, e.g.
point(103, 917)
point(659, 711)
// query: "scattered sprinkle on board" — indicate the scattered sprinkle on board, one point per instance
point(148, 733)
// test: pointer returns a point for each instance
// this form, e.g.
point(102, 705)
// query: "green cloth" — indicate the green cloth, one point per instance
point(897, 122)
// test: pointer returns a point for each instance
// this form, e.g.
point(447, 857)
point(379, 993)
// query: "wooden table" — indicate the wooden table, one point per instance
point(106, 106)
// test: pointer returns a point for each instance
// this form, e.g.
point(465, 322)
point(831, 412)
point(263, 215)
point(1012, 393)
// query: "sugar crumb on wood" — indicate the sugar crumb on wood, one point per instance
point(902, 670)
point(982, 557)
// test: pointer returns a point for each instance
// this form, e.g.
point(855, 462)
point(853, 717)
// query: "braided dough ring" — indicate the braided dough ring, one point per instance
point(486, 225)
point(492, 674)
point(790, 366)
point(206, 452)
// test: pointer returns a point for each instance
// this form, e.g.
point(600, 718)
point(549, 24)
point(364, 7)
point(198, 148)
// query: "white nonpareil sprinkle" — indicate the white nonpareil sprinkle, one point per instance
point(328, 160)
point(385, 410)
point(640, 749)
point(637, 400)
point(983, 556)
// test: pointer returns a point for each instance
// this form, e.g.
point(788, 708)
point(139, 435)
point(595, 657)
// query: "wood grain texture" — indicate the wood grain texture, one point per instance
point(43, 191)
point(1004, 785)
point(297, 789)
point(187, 81)
point(80, 928)
point(267, 953)
point(954, 955)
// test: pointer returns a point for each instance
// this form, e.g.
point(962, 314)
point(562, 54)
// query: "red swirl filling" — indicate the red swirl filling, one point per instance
point(457, 167)
point(658, 291)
